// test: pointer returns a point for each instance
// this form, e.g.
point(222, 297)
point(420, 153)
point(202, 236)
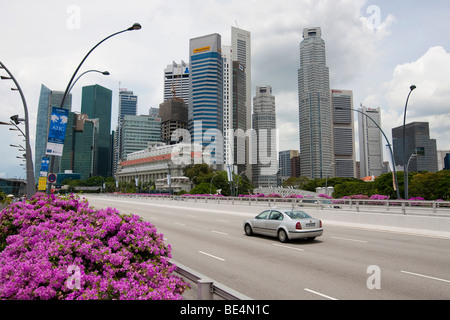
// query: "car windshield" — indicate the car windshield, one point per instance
point(297, 214)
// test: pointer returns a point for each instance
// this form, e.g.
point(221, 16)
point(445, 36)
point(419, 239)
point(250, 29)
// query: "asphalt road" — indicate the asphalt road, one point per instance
point(346, 263)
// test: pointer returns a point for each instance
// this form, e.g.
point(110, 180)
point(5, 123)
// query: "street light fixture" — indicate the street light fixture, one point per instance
point(387, 140)
point(411, 89)
point(31, 188)
point(135, 26)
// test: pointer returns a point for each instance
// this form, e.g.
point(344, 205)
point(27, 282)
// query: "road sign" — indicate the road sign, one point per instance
point(51, 178)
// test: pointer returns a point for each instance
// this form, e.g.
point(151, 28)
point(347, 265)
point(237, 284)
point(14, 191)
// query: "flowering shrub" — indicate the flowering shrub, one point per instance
point(379, 197)
point(59, 248)
point(274, 195)
point(323, 195)
point(295, 196)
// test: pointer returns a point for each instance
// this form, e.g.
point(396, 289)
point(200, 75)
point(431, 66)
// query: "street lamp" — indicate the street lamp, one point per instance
point(135, 26)
point(404, 142)
point(31, 188)
point(105, 73)
point(210, 183)
point(388, 144)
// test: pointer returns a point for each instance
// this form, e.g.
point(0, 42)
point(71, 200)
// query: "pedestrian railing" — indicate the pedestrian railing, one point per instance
point(414, 207)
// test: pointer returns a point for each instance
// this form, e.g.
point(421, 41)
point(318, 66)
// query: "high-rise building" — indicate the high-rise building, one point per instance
point(174, 115)
point(315, 116)
point(286, 164)
point(370, 142)
point(417, 137)
point(93, 149)
point(138, 131)
point(176, 81)
point(343, 134)
point(265, 155)
point(241, 48)
point(205, 113)
point(228, 132)
point(127, 106)
point(47, 100)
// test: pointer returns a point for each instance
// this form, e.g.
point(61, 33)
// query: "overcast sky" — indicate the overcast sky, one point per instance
point(375, 48)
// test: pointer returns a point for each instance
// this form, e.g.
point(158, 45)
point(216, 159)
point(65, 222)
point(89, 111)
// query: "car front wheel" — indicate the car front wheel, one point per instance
point(248, 230)
point(282, 236)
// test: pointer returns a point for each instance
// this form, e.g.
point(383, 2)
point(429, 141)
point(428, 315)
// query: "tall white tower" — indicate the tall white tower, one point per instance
point(315, 116)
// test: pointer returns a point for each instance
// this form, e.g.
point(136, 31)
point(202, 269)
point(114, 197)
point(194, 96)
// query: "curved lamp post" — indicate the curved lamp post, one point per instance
point(388, 144)
point(105, 73)
point(135, 26)
point(31, 188)
point(405, 166)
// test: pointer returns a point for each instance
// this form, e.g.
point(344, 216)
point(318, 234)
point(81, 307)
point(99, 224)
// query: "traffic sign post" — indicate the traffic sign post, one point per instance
point(51, 178)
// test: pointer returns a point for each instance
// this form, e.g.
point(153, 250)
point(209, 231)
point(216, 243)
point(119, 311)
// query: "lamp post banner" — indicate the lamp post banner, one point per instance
point(57, 131)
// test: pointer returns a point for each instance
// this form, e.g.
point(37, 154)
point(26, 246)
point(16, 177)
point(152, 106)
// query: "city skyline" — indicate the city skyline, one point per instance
point(374, 49)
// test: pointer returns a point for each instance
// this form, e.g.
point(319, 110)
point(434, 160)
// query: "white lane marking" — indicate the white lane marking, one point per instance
point(180, 224)
point(210, 255)
point(218, 220)
point(288, 247)
point(219, 232)
point(347, 239)
point(424, 276)
point(320, 294)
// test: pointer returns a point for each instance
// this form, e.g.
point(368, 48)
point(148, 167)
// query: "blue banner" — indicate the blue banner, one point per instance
point(57, 131)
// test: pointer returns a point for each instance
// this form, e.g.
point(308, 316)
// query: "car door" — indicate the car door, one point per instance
point(259, 223)
point(273, 222)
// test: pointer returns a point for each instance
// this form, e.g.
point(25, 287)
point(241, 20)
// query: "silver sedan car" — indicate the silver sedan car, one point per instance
point(286, 224)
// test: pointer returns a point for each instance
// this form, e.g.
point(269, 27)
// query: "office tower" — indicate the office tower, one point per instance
point(417, 137)
point(343, 134)
point(47, 100)
point(138, 131)
point(93, 145)
point(441, 155)
point(264, 156)
point(370, 142)
point(228, 132)
point(315, 116)
point(205, 113)
point(174, 115)
point(127, 106)
point(176, 81)
point(241, 48)
point(286, 165)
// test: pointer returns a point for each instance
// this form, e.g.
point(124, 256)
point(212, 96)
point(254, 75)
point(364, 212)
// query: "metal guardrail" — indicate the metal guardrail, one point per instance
point(389, 206)
point(207, 289)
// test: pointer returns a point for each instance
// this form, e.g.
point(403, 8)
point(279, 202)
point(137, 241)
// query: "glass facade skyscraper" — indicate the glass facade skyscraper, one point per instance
point(315, 116)
point(265, 155)
point(205, 113)
point(93, 149)
point(47, 100)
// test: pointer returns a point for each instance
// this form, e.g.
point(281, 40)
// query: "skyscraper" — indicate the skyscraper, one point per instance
point(47, 100)
point(370, 142)
point(241, 48)
point(176, 81)
point(93, 148)
point(315, 116)
point(265, 155)
point(417, 137)
point(343, 134)
point(205, 113)
point(138, 131)
point(127, 106)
